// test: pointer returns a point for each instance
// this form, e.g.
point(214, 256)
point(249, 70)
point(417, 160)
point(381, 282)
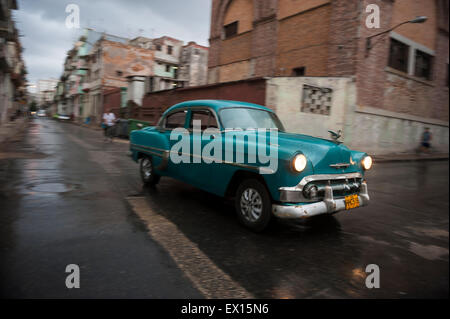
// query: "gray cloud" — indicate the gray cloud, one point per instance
point(46, 39)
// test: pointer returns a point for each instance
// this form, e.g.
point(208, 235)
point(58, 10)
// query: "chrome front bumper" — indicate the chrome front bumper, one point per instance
point(327, 206)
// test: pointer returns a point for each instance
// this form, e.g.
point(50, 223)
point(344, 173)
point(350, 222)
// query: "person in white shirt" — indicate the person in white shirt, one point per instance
point(108, 121)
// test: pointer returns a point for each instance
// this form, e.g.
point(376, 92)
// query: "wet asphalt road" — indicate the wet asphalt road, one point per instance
point(63, 201)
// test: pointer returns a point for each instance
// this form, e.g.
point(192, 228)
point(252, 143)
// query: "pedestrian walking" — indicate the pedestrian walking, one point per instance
point(425, 143)
point(108, 122)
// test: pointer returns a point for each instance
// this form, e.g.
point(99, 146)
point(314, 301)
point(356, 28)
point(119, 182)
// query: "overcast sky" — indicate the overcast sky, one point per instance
point(46, 39)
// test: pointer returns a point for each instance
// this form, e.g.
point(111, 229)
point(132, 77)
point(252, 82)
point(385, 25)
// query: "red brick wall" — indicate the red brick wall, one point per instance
point(329, 39)
point(382, 87)
point(303, 42)
point(440, 108)
point(235, 49)
point(155, 103)
point(112, 101)
point(344, 20)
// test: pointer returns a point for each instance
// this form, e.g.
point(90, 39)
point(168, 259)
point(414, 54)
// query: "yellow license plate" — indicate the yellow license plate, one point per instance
point(351, 201)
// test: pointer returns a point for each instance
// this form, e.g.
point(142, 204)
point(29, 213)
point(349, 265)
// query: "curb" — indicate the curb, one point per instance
point(98, 129)
point(412, 158)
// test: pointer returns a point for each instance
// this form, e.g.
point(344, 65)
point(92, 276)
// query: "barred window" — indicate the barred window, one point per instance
point(316, 100)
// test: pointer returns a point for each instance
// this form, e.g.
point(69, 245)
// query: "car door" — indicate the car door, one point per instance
point(198, 172)
point(174, 120)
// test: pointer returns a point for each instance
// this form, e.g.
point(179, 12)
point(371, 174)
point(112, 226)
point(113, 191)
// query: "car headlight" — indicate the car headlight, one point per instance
point(299, 162)
point(367, 162)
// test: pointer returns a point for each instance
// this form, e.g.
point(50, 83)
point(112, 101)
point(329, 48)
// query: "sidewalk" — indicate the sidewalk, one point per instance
point(403, 157)
point(9, 130)
point(409, 157)
point(98, 128)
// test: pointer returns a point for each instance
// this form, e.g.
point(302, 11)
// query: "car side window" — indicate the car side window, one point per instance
point(206, 118)
point(175, 120)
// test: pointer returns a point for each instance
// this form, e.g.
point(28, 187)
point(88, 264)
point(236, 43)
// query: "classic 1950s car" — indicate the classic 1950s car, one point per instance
point(293, 176)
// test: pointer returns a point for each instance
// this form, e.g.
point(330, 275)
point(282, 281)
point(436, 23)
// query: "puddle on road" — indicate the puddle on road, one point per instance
point(53, 188)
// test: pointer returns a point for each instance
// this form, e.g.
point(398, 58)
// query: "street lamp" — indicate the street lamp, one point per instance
point(420, 19)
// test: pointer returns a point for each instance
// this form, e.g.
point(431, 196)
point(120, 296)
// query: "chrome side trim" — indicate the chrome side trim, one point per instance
point(164, 162)
point(149, 149)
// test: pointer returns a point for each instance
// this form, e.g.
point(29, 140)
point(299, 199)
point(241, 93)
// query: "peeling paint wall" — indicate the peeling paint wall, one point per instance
point(120, 61)
point(366, 129)
point(285, 94)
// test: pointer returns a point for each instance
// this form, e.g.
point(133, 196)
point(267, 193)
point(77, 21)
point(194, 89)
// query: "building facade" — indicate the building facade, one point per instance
point(401, 79)
point(194, 64)
point(100, 68)
point(46, 91)
point(13, 95)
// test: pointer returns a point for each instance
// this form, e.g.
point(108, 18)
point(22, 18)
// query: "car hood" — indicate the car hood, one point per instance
point(320, 152)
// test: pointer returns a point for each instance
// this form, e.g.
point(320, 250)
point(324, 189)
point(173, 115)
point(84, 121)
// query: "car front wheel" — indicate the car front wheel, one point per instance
point(148, 175)
point(253, 205)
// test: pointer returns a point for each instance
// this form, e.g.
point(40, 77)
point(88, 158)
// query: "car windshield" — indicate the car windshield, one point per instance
point(247, 118)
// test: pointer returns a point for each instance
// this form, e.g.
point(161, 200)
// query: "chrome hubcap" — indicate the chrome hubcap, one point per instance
point(146, 168)
point(251, 204)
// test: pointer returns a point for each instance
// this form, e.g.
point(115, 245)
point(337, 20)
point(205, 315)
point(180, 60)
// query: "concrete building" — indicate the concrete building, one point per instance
point(46, 91)
point(194, 64)
point(400, 80)
point(12, 68)
point(104, 72)
point(112, 62)
point(97, 63)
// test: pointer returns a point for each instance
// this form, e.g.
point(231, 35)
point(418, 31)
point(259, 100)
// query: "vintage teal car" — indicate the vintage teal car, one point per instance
point(241, 150)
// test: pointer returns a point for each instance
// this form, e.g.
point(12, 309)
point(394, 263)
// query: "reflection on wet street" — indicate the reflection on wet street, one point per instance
point(64, 198)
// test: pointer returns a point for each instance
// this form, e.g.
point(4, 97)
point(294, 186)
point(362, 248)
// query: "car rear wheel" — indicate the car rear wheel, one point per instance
point(148, 175)
point(253, 205)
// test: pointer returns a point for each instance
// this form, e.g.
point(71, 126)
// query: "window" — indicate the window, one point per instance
point(175, 120)
point(243, 118)
point(167, 68)
point(158, 47)
point(169, 49)
point(398, 55)
point(423, 65)
point(231, 29)
point(299, 71)
point(206, 118)
point(316, 100)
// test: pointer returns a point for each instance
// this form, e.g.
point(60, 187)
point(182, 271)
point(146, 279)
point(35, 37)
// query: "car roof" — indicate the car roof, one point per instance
point(216, 105)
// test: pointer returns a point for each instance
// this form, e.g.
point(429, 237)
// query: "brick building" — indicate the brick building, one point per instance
point(401, 82)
